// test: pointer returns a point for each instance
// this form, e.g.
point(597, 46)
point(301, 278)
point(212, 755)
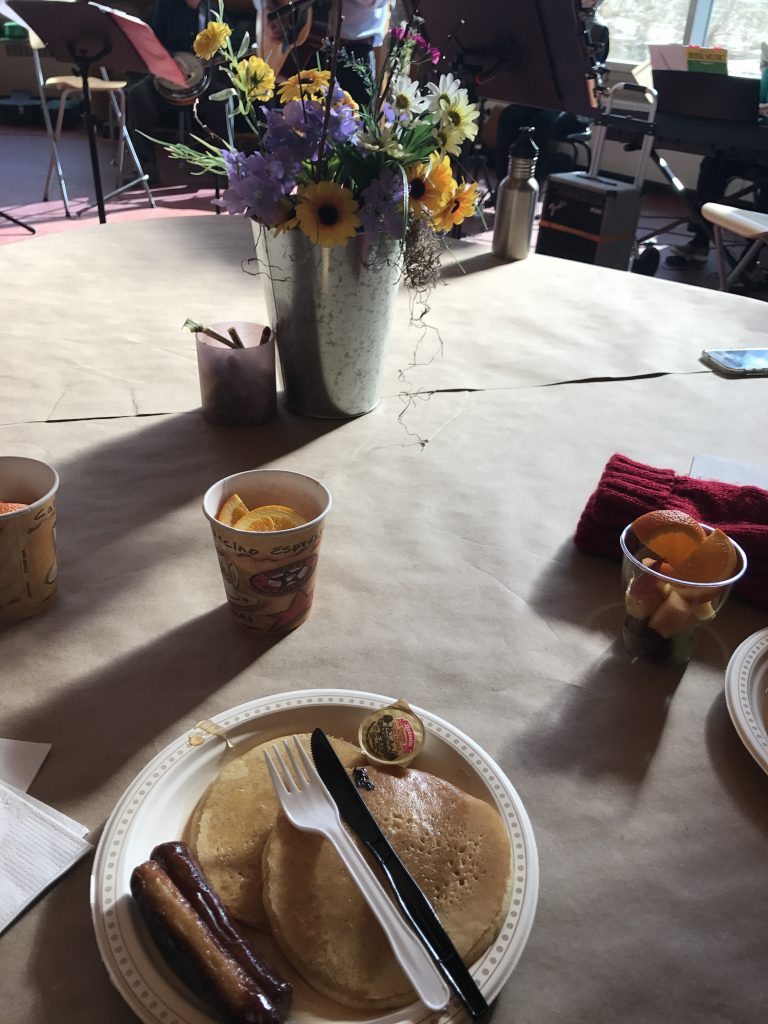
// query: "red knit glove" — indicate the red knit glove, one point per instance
point(627, 489)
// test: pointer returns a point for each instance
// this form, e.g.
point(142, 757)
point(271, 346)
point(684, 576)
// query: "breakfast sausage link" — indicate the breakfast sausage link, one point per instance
point(180, 864)
point(193, 952)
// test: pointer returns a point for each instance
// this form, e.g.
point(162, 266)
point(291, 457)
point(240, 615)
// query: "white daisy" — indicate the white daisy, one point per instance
point(448, 140)
point(460, 116)
point(384, 142)
point(406, 101)
point(442, 93)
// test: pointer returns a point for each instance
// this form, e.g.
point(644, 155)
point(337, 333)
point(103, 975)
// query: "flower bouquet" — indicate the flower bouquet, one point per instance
point(345, 199)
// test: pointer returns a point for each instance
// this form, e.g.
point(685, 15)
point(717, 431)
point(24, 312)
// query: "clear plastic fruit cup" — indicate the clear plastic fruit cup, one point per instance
point(664, 614)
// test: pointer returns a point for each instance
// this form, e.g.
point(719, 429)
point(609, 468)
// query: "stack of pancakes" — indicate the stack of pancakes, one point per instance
point(270, 875)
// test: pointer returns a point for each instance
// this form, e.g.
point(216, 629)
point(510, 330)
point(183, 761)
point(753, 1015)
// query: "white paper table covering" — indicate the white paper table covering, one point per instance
point(113, 350)
point(447, 576)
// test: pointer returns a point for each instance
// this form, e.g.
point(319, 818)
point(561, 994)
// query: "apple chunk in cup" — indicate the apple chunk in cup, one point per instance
point(673, 585)
point(269, 562)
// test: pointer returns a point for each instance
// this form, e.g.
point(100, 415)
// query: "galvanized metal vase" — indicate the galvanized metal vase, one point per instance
point(331, 311)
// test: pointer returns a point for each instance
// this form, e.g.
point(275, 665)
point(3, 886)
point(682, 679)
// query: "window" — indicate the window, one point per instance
point(633, 24)
point(738, 25)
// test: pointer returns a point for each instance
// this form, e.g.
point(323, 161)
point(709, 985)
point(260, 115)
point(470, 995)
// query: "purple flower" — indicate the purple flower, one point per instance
point(293, 133)
point(256, 183)
point(343, 125)
point(422, 50)
point(391, 115)
point(382, 205)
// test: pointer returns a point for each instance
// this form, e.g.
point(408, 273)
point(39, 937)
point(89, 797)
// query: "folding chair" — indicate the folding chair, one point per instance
point(68, 85)
point(747, 224)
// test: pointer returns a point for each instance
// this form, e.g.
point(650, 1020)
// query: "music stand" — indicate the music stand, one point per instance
point(530, 52)
point(87, 34)
point(14, 220)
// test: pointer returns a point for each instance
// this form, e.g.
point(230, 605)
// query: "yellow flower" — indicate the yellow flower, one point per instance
point(211, 39)
point(448, 140)
point(459, 116)
point(430, 184)
point(256, 79)
point(461, 204)
point(346, 101)
point(327, 213)
point(286, 212)
point(310, 84)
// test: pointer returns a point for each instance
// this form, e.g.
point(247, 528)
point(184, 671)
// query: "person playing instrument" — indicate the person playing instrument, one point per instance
point(175, 23)
point(365, 24)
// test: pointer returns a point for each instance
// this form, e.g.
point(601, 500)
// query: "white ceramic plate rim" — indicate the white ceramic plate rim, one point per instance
point(745, 703)
point(119, 945)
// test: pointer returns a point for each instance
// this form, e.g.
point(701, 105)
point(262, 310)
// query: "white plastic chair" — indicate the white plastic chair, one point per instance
point(747, 224)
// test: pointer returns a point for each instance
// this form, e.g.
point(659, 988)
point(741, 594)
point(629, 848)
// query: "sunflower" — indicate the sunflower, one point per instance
point(286, 212)
point(327, 213)
point(430, 184)
point(211, 39)
point(309, 85)
point(256, 79)
point(461, 204)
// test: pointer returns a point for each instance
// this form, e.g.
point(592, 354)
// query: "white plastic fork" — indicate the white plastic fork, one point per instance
point(310, 807)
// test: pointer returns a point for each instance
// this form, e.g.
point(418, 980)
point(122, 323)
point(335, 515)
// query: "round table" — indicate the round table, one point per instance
point(448, 577)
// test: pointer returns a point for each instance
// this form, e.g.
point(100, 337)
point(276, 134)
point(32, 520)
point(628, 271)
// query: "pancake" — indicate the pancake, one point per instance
point(232, 822)
point(456, 847)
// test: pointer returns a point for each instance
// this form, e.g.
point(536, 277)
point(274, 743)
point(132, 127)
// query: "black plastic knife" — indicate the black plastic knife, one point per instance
point(414, 904)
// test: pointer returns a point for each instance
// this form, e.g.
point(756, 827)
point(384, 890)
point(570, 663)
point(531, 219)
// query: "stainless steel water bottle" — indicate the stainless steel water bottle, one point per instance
point(516, 200)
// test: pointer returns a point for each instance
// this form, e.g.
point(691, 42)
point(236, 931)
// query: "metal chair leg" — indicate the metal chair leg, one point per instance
point(57, 139)
point(722, 266)
point(120, 97)
point(141, 177)
point(749, 257)
point(49, 131)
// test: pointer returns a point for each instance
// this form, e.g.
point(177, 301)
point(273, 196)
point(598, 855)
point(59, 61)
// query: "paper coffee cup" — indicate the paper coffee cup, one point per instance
point(269, 578)
point(28, 567)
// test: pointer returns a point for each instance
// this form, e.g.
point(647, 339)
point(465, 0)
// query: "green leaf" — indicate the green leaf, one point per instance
point(223, 94)
point(244, 46)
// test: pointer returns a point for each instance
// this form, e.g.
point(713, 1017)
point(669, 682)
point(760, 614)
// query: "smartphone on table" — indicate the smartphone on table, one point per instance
point(737, 362)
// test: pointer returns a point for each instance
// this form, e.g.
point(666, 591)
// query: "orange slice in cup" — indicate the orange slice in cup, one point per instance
point(234, 508)
point(669, 534)
point(715, 559)
point(11, 506)
point(268, 518)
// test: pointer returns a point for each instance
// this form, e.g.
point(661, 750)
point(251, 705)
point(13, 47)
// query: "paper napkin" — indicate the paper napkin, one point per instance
point(20, 761)
point(37, 845)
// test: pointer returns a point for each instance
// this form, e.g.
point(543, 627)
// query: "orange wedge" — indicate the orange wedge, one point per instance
point(670, 534)
point(258, 521)
point(232, 510)
point(713, 560)
point(10, 506)
point(284, 515)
